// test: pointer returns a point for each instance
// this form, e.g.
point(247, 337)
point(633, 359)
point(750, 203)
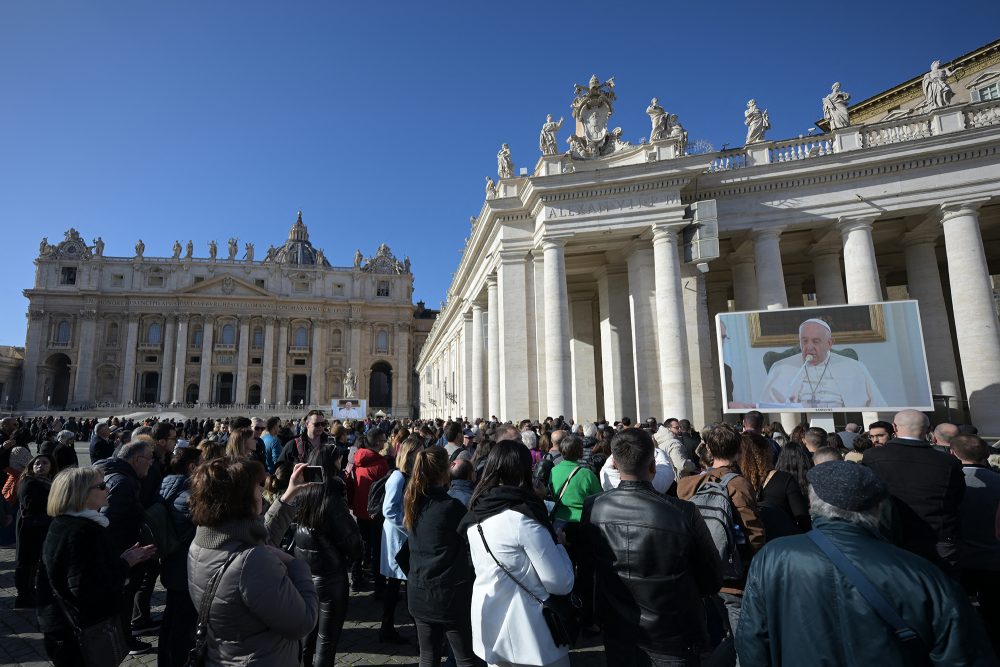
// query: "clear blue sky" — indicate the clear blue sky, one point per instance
point(379, 120)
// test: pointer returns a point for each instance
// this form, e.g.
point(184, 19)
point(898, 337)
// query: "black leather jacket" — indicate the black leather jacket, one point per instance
point(653, 560)
point(330, 550)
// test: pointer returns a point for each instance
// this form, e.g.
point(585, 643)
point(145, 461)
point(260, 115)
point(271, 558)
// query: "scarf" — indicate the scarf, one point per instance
point(93, 515)
point(246, 531)
point(502, 498)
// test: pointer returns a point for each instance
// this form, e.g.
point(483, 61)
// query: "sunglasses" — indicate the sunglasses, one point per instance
point(323, 423)
point(103, 486)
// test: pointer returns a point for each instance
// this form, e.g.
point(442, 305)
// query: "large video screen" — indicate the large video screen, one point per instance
point(825, 359)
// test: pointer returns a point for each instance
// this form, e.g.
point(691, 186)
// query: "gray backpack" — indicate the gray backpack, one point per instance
point(717, 509)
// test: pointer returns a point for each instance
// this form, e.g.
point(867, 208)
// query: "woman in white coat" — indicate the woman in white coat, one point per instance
point(394, 538)
point(508, 629)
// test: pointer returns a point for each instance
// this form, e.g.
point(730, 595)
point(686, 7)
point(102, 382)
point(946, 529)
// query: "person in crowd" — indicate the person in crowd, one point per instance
point(570, 484)
point(880, 432)
point(724, 444)
point(369, 466)
point(328, 540)
point(394, 537)
point(652, 558)
point(272, 445)
point(844, 503)
point(298, 450)
point(777, 433)
point(797, 433)
point(32, 525)
point(179, 615)
point(796, 461)
point(17, 460)
point(101, 446)
point(850, 432)
point(439, 581)
point(814, 438)
point(979, 550)
point(125, 513)
point(453, 438)
point(266, 601)
point(62, 450)
point(753, 422)
point(926, 487)
point(241, 444)
point(861, 444)
point(210, 449)
point(509, 535)
point(600, 454)
point(82, 575)
point(826, 454)
point(463, 481)
point(668, 440)
point(780, 503)
point(941, 436)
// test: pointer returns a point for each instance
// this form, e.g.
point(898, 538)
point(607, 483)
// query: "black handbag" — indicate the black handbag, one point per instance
point(102, 644)
point(561, 612)
point(196, 657)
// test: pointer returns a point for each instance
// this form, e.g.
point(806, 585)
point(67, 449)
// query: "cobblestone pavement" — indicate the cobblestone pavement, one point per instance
point(21, 643)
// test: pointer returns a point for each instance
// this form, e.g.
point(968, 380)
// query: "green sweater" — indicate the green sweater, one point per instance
point(583, 484)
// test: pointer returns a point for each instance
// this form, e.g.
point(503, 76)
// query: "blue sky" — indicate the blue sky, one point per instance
point(379, 120)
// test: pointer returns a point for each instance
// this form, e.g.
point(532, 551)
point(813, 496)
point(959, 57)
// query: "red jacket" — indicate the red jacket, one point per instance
point(368, 467)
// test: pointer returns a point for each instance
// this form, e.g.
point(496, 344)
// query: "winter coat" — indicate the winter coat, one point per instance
point(176, 491)
point(772, 631)
point(101, 449)
point(263, 607)
point(330, 550)
point(507, 624)
point(393, 533)
point(369, 466)
point(461, 490)
point(675, 451)
point(439, 583)
point(124, 509)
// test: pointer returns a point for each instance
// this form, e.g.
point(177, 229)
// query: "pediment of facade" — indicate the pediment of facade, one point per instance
point(225, 286)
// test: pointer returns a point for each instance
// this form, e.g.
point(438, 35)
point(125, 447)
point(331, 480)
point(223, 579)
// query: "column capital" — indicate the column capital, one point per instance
point(513, 256)
point(954, 209)
point(491, 280)
point(269, 320)
point(740, 258)
point(819, 250)
point(88, 315)
point(662, 231)
point(846, 225)
point(921, 236)
point(766, 233)
point(553, 242)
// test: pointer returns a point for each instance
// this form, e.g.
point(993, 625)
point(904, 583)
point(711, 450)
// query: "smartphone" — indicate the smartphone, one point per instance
point(314, 474)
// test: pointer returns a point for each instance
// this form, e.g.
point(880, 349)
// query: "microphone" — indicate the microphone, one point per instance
point(802, 368)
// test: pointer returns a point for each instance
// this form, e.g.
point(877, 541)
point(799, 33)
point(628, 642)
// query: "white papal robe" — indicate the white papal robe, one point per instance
point(843, 383)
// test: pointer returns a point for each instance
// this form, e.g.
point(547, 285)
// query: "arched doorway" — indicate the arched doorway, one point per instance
point(191, 395)
point(380, 386)
point(149, 387)
point(253, 395)
point(56, 383)
point(224, 389)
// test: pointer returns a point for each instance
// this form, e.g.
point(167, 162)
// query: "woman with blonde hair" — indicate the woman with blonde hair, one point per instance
point(439, 592)
point(81, 578)
point(242, 444)
point(394, 537)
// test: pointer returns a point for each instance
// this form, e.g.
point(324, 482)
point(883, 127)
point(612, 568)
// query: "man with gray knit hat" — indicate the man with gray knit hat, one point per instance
point(866, 601)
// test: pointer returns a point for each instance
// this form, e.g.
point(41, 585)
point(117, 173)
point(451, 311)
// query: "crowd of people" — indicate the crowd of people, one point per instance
point(736, 544)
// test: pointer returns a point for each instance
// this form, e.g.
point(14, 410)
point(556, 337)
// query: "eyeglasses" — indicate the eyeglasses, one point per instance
point(103, 486)
point(322, 423)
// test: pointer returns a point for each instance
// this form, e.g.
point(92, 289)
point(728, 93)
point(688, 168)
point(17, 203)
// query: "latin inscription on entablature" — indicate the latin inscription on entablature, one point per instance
point(617, 205)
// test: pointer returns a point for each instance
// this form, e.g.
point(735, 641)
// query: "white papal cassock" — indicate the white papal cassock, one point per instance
point(837, 382)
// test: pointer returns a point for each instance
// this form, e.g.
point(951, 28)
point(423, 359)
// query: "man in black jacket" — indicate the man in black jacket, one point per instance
point(653, 561)
point(101, 446)
point(926, 487)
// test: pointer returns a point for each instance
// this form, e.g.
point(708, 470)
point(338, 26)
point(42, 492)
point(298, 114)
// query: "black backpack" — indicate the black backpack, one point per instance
point(376, 496)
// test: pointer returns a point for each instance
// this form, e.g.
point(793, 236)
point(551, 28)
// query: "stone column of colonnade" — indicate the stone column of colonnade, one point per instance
point(167, 375)
point(976, 326)
point(85, 362)
point(706, 402)
point(675, 374)
point(645, 354)
point(468, 405)
point(493, 340)
point(128, 368)
point(558, 390)
point(923, 282)
point(717, 301)
point(541, 372)
point(861, 270)
point(180, 359)
point(478, 400)
point(617, 368)
point(512, 285)
point(744, 279)
point(205, 374)
point(829, 277)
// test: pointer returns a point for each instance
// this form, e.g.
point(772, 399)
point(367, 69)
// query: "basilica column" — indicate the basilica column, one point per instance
point(128, 368)
point(558, 390)
point(744, 280)
point(280, 391)
point(923, 281)
point(401, 374)
point(267, 379)
point(180, 358)
point(976, 326)
point(478, 400)
point(242, 361)
point(675, 374)
point(85, 358)
point(538, 321)
point(860, 266)
point(167, 376)
point(644, 348)
point(771, 293)
point(512, 298)
point(205, 375)
point(829, 278)
point(317, 355)
point(32, 358)
point(617, 368)
point(493, 340)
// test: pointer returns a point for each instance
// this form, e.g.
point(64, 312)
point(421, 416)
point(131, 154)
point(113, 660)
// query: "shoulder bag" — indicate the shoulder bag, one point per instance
point(561, 612)
point(102, 644)
point(196, 658)
point(562, 490)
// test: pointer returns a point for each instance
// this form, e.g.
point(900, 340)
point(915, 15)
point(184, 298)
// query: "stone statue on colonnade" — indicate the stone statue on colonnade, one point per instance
point(547, 139)
point(505, 165)
point(937, 92)
point(757, 122)
point(835, 108)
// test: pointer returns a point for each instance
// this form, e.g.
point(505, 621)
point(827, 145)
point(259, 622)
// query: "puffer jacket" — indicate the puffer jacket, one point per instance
point(330, 550)
point(654, 559)
point(124, 510)
point(262, 607)
point(369, 466)
point(175, 491)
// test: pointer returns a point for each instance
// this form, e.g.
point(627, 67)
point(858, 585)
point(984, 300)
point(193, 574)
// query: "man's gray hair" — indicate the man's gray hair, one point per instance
point(507, 432)
point(590, 430)
point(530, 439)
point(819, 508)
point(133, 449)
point(258, 421)
point(142, 430)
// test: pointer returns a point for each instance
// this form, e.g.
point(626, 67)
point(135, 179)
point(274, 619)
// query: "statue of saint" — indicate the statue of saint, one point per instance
point(358, 258)
point(233, 249)
point(350, 384)
point(505, 166)
point(140, 248)
point(835, 108)
point(937, 92)
point(43, 246)
point(406, 264)
point(177, 249)
point(678, 133)
point(491, 188)
point(189, 249)
point(319, 257)
point(659, 121)
point(270, 253)
point(756, 121)
point(99, 246)
point(249, 249)
point(547, 138)
point(213, 249)
point(472, 221)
